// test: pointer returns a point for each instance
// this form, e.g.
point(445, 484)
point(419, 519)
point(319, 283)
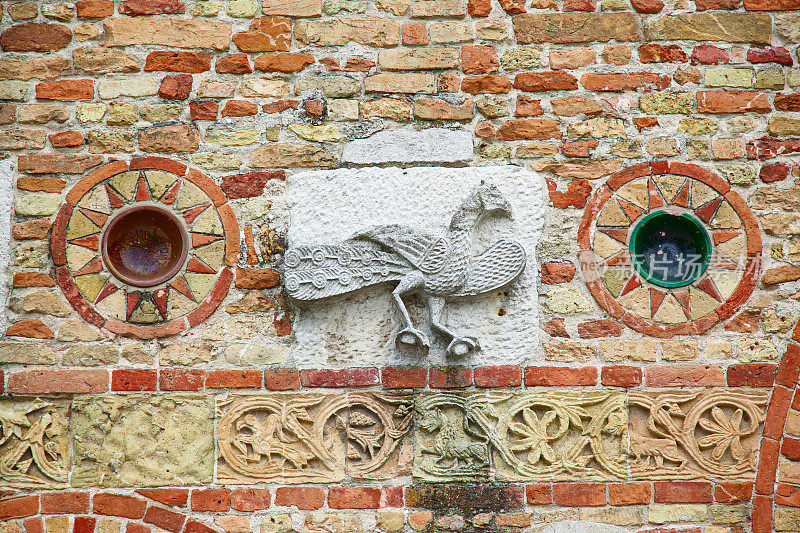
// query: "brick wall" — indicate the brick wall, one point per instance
point(184, 411)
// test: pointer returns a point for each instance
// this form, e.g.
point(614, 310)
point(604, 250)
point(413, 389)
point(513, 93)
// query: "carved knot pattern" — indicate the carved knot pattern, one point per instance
point(604, 248)
point(182, 301)
point(695, 434)
point(34, 443)
point(320, 438)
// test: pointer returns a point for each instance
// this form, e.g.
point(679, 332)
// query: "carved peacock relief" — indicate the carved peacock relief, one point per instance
point(438, 267)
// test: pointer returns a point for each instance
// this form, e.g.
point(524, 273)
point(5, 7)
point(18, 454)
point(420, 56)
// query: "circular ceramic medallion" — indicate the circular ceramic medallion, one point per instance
point(669, 248)
point(145, 249)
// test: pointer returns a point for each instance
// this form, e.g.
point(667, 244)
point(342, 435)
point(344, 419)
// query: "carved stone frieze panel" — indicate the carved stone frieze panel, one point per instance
point(690, 434)
point(143, 440)
point(559, 435)
point(313, 438)
point(451, 441)
point(34, 442)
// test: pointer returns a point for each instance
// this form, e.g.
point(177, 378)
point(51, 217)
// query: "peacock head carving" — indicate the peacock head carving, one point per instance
point(492, 200)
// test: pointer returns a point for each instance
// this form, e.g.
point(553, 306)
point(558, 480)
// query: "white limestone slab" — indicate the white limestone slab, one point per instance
point(329, 206)
point(6, 201)
point(407, 145)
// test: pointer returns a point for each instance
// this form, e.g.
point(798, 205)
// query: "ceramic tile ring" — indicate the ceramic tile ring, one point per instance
point(669, 249)
point(145, 249)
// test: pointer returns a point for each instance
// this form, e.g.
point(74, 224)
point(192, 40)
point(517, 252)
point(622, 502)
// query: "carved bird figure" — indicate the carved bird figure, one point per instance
point(439, 268)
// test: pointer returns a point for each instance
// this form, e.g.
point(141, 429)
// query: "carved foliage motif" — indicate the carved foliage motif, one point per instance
point(688, 434)
point(34, 443)
point(297, 438)
point(532, 436)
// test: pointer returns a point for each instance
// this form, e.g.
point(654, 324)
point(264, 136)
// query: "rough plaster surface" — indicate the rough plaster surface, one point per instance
point(6, 201)
point(329, 206)
point(410, 146)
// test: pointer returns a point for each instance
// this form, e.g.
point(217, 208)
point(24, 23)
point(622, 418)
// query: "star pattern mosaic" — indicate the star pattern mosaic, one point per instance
point(169, 307)
point(605, 256)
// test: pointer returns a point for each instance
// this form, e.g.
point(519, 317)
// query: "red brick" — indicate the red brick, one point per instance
point(133, 527)
point(132, 379)
point(135, 8)
point(233, 64)
point(659, 53)
point(762, 514)
point(682, 492)
point(776, 172)
point(58, 381)
point(498, 376)
point(576, 195)
point(248, 500)
point(31, 329)
point(776, 412)
point(66, 139)
point(65, 502)
point(545, 81)
point(617, 82)
point(165, 519)
point(767, 466)
point(479, 59)
point(478, 8)
point(176, 87)
point(730, 5)
point(94, 9)
point(239, 108)
point(621, 376)
point(19, 507)
point(555, 328)
point(604, 327)
point(211, 500)
point(193, 526)
point(732, 491)
point(787, 495)
point(579, 494)
point(560, 376)
point(629, 493)
point(684, 376)
point(647, 6)
point(181, 379)
point(539, 494)
point(752, 375)
point(486, 84)
point(41, 183)
point(174, 61)
point(732, 102)
point(281, 379)
point(787, 102)
point(392, 497)
point(528, 107)
point(789, 371)
point(404, 378)
point(266, 34)
point(118, 505)
point(83, 524)
point(256, 278)
point(34, 37)
point(348, 377)
point(203, 110)
point(221, 379)
point(581, 148)
point(33, 525)
point(535, 129)
point(283, 62)
point(579, 5)
point(249, 185)
point(772, 54)
point(65, 90)
point(414, 34)
point(354, 497)
point(173, 497)
point(790, 448)
point(553, 273)
point(304, 498)
point(450, 377)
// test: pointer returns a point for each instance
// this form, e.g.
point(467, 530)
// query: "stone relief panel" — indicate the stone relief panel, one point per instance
point(143, 440)
point(313, 438)
point(34, 442)
point(423, 232)
point(559, 435)
point(695, 434)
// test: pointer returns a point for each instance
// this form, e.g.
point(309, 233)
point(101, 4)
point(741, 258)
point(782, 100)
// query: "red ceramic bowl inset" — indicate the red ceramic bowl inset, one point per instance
point(145, 245)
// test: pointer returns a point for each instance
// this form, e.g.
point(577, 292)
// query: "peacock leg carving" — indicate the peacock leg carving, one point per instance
point(459, 346)
point(410, 336)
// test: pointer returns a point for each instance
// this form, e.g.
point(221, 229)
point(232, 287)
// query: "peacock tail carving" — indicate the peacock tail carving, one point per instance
point(439, 267)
